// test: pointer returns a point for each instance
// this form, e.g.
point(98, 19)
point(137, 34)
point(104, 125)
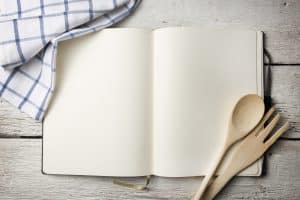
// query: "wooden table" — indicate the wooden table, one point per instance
point(20, 136)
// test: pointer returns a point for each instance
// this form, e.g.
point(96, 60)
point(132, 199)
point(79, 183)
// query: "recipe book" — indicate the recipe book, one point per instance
point(136, 102)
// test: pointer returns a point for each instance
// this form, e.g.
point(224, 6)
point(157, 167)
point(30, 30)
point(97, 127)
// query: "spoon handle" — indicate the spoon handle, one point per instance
point(208, 177)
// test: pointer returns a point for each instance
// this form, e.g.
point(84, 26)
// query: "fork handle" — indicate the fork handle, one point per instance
point(218, 184)
point(207, 179)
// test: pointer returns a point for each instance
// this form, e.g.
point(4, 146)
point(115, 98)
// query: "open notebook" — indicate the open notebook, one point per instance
point(135, 102)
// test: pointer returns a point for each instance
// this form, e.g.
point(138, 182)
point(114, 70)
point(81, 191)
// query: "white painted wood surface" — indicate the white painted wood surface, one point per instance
point(20, 159)
point(21, 178)
point(14, 123)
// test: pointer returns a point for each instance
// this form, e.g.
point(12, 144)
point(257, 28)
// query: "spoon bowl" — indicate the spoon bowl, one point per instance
point(247, 113)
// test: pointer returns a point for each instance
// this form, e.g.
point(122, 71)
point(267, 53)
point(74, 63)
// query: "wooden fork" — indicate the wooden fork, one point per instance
point(248, 151)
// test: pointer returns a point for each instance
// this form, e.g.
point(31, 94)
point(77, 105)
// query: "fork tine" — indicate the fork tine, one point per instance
point(265, 132)
point(270, 112)
point(276, 135)
point(263, 121)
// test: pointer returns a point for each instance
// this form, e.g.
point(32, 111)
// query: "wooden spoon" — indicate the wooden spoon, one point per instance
point(246, 114)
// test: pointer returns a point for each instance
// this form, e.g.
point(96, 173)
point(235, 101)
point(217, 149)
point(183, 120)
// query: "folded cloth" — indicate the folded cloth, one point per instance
point(30, 32)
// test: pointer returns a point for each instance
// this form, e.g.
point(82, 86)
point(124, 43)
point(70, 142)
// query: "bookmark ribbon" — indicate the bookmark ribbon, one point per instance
point(134, 186)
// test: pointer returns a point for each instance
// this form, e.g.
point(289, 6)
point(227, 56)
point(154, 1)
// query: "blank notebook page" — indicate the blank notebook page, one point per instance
point(98, 121)
point(198, 77)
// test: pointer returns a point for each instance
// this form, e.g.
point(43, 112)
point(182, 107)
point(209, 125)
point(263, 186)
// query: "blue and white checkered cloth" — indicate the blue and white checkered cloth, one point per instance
point(29, 34)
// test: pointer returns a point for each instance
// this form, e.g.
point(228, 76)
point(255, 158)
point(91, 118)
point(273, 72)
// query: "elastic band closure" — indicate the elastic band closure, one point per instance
point(267, 80)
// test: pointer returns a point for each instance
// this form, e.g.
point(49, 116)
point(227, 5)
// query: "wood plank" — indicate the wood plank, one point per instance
point(279, 19)
point(14, 123)
point(285, 93)
point(21, 178)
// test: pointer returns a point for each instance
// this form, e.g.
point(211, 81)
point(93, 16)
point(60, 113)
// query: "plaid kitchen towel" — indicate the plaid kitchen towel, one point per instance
point(29, 33)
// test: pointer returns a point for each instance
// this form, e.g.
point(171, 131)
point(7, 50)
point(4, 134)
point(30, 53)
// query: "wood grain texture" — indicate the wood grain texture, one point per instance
point(14, 123)
point(21, 178)
point(285, 89)
point(285, 93)
point(279, 19)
